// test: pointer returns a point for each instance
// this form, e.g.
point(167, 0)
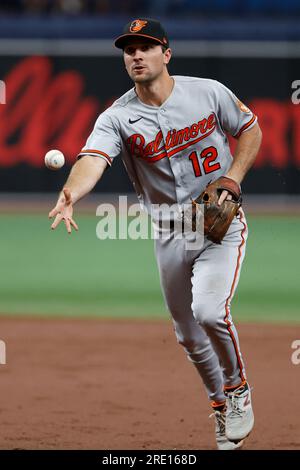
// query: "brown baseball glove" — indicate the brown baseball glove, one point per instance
point(217, 219)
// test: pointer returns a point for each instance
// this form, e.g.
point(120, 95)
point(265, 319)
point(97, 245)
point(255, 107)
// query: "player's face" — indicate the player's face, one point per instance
point(145, 61)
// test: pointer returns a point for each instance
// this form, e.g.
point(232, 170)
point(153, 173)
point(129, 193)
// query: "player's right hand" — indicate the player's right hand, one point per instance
point(63, 211)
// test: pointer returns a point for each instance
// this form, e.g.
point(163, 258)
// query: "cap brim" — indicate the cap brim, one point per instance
point(121, 41)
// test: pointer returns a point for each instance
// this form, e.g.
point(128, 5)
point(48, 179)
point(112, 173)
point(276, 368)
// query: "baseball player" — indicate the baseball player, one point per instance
point(171, 132)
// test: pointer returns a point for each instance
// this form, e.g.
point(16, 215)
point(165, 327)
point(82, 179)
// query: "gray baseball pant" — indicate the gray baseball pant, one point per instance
point(198, 286)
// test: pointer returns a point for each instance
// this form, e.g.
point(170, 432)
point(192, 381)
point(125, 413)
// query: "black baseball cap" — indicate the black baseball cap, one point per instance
point(143, 28)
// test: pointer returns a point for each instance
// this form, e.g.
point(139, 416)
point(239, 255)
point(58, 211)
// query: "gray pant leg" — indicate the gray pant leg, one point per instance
point(175, 275)
point(215, 276)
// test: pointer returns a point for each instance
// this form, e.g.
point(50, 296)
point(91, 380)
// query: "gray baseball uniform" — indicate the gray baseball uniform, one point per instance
point(171, 153)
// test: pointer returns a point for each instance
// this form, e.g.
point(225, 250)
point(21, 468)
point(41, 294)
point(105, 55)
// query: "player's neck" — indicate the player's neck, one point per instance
point(156, 92)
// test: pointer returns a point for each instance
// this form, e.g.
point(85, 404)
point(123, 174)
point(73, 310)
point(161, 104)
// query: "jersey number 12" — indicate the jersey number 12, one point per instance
point(207, 158)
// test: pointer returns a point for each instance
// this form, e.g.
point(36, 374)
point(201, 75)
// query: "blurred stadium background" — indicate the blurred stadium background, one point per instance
point(61, 70)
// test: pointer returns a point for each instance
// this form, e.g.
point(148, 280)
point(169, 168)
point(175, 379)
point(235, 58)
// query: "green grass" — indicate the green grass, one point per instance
point(269, 284)
point(52, 273)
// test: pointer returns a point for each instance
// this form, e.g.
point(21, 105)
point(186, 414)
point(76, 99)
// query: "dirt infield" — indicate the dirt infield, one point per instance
point(97, 384)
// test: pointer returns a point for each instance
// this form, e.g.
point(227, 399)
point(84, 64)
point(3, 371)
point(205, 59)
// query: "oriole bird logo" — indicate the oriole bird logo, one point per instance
point(137, 25)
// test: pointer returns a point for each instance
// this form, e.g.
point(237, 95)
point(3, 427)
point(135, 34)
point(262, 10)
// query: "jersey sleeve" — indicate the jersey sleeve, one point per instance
point(235, 117)
point(104, 141)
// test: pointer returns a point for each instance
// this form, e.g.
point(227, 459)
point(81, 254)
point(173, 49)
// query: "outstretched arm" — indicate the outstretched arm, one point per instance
point(84, 175)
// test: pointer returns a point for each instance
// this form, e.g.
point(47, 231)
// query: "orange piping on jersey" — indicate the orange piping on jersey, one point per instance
point(87, 151)
point(248, 124)
point(237, 269)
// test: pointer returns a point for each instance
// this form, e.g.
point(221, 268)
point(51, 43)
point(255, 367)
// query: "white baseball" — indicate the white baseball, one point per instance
point(54, 159)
